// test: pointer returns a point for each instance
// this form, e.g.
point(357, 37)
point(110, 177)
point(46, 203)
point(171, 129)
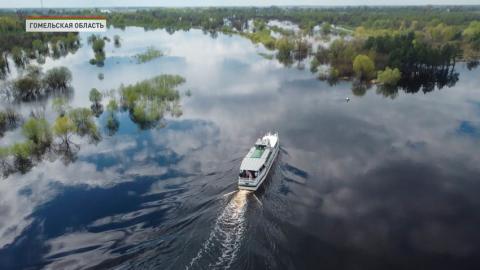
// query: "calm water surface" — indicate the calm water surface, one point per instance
point(374, 183)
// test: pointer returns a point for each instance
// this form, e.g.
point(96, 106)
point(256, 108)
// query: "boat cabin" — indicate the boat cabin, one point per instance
point(254, 163)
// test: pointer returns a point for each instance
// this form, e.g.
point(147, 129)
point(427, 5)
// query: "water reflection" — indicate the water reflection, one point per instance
point(372, 182)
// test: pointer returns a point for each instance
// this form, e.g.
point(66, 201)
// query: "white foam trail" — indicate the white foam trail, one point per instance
point(227, 234)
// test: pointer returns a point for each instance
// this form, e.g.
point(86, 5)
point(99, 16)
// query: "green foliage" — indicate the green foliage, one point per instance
point(409, 54)
point(472, 34)
point(284, 46)
point(147, 100)
point(34, 84)
point(340, 55)
point(21, 153)
point(262, 36)
point(314, 65)
point(8, 120)
point(333, 74)
point(282, 31)
point(18, 56)
point(112, 124)
point(95, 96)
point(37, 131)
point(149, 55)
point(389, 77)
point(82, 119)
point(21, 150)
point(63, 127)
point(98, 45)
point(363, 67)
point(39, 46)
point(326, 28)
point(27, 87)
point(57, 78)
point(302, 49)
point(147, 113)
point(112, 106)
point(259, 25)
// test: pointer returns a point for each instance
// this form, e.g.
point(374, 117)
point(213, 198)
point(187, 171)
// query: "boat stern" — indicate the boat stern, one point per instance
point(247, 184)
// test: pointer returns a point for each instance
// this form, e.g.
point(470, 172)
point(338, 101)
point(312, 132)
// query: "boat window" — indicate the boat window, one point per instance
point(248, 174)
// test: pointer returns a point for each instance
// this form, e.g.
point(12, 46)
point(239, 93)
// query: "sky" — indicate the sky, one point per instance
point(120, 3)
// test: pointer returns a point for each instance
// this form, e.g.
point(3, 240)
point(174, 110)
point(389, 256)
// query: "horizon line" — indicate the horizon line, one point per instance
point(244, 6)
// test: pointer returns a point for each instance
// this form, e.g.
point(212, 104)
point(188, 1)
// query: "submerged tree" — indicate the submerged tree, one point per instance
point(21, 153)
point(364, 67)
point(284, 47)
point(57, 78)
point(82, 118)
point(64, 128)
point(96, 98)
point(389, 77)
point(148, 100)
point(98, 45)
point(302, 49)
point(29, 86)
point(116, 41)
point(9, 119)
point(112, 123)
point(37, 131)
point(18, 57)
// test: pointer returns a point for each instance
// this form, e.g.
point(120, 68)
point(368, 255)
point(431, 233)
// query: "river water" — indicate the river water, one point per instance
point(373, 183)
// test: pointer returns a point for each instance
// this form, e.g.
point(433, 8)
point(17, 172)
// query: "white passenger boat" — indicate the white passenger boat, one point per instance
point(257, 163)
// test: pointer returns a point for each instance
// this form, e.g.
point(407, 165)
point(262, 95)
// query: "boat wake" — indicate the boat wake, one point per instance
point(223, 243)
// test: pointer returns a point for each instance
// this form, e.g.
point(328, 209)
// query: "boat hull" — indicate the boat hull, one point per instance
point(254, 185)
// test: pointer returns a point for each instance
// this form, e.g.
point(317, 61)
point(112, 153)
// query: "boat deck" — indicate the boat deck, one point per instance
point(257, 153)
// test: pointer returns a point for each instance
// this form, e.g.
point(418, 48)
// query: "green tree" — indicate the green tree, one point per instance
point(38, 132)
point(302, 48)
point(27, 87)
point(95, 96)
point(112, 106)
point(82, 119)
point(17, 55)
point(389, 77)
point(64, 128)
point(363, 67)
point(284, 53)
point(57, 78)
point(98, 45)
point(326, 28)
point(21, 153)
point(472, 34)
